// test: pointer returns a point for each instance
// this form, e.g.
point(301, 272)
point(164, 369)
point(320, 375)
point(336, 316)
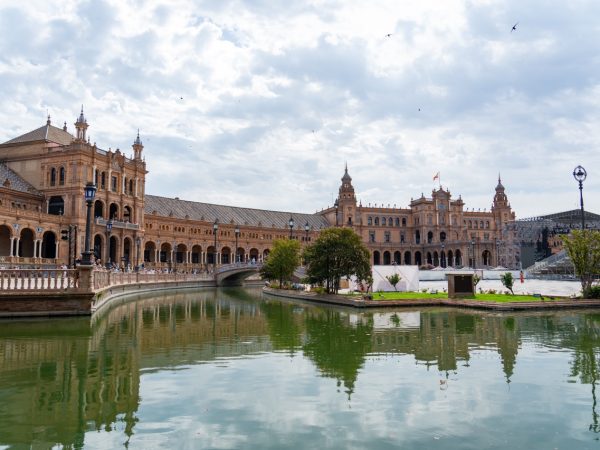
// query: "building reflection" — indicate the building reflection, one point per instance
point(62, 378)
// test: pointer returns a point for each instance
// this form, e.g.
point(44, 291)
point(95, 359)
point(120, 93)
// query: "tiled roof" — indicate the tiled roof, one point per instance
point(45, 133)
point(230, 214)
point(11, 180)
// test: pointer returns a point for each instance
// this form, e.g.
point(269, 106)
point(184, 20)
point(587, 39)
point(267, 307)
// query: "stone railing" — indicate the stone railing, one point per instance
point(105, 278)
point(38, 280)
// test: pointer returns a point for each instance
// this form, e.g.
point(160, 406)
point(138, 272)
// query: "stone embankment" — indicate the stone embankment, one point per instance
point(342, 300)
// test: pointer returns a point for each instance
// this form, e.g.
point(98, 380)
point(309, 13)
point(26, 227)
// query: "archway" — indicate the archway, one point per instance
point(386, 258)
point(241, 254)
point(225, 255)
point(253, 255)
point(49, 245)
point(196, 254)
point(418, 258)
point(113, 212)
point(165, 253)
point(127, 253)
point(211, 255)
point(430, 237)
point(112, 253)
point(4, 240)
point(180, 253)
point(436, 260)
point(127, 214)
point(458, 258)
point(150, 252)
point(98, 208)
point(443, 261)
point(376, 258)
point(429, 258)
point(98, 246)
point(451, 258)
point(486, 256)
point(26, 243)
point(397, 257)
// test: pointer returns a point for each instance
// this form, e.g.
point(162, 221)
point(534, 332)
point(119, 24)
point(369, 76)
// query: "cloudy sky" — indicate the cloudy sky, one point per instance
point(261, 103)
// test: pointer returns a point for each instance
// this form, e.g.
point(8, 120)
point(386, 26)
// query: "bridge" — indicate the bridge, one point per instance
point(234, 274)
point(81, 291)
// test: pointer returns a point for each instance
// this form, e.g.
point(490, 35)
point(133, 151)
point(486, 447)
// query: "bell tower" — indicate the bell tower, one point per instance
point(501, 207)
point(137, 147)
point(346, 202)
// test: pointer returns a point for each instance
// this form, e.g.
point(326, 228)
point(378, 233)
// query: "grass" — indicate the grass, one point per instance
point(497, 298)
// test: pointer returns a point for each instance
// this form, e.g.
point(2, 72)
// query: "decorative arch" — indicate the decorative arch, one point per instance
point(49, 245)
point(376, 258)
point(386, 258)
point(5, 242)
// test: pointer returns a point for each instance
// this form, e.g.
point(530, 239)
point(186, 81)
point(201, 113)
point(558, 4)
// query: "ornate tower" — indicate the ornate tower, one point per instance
point(137, 147)
point(501, 207)
point(346, 202)
point(81, 126)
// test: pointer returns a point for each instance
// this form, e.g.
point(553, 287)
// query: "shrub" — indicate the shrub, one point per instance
point(593, 292)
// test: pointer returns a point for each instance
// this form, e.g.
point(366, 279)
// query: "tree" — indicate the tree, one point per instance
point(508, 281)
point(337, 253)
point(394, 280)
point(583, 247)
point(283, 259)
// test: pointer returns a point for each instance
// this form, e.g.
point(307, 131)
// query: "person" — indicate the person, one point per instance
point(522, 277)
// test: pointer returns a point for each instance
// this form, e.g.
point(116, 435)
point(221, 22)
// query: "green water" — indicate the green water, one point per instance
point(226, 369)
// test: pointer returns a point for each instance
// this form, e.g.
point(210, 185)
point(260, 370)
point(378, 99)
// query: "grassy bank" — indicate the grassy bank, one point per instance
point(497, 298)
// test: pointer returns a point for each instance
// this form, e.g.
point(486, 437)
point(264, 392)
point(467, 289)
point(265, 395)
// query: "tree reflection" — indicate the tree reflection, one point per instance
point(337, 347)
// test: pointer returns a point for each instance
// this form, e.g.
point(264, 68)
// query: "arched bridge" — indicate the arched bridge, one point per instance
point(234, 274)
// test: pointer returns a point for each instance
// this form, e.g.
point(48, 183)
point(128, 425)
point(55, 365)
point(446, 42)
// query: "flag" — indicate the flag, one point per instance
point(436, 176)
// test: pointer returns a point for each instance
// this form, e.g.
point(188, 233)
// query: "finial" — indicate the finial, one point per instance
point(48, 121)
point(65, 126)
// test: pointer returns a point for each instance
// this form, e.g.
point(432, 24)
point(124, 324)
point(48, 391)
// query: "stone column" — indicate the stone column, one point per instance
point(56, 251)
point(17, 242)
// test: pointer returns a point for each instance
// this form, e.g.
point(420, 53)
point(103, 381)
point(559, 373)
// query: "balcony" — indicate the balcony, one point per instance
point(117, 224)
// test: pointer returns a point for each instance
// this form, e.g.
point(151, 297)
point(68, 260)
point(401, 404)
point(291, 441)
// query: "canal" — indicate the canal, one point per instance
point(228, 369)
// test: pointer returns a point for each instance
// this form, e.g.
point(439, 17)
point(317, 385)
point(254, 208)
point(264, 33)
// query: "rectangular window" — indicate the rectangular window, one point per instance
point(371, 236)
point(113, 184)
point(387, 236)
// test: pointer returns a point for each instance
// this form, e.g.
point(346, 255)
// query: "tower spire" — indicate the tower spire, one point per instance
point(137, 147)
point(81, 126)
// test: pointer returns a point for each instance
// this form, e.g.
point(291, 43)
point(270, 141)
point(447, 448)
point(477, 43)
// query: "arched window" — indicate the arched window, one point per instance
point(369, 220)
point(130, 187)
point(383, 221)
point(53, 177)
point(404, 221)
point(61, 176)
point(376, 220)
point(397, 222)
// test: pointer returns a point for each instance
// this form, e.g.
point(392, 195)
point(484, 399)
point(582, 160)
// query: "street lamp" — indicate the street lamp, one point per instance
point(580, 175)
point(306, 230)
point(89, 193)
point(473, 252)
point(215, 229)
point(138, 242)
point(237, 234)
point(291, 225)
point(109, 226)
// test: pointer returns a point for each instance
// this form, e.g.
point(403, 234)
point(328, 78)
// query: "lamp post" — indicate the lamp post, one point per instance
point(580, 175)
point(473, 252)
point(109, 226)
point(291, 225)
point(138, 242)
point(89, 193)
point(215, 229)
point(237, 234)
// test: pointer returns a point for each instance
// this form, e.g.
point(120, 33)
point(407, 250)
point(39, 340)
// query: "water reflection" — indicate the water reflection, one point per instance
point(61, 379)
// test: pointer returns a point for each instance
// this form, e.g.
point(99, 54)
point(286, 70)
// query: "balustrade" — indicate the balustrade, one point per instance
point(42, 280)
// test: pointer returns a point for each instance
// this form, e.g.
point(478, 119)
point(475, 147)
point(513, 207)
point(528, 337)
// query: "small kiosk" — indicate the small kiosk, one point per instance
point(460, 284)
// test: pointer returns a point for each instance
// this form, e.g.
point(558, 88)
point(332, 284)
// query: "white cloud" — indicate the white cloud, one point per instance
point(268, 102)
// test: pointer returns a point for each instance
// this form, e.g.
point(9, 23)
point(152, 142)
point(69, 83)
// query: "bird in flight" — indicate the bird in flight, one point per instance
point(388, 35)
point(514, 27)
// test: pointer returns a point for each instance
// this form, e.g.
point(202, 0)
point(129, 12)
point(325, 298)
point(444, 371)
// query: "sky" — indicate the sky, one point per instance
point(262, 103)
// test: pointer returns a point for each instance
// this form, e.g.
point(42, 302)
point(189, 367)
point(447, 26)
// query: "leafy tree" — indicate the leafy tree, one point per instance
point(583, 247)
point(508, 281)
point(476, 280)
point(283, 259)
point(394, 280)
point(337, 253)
